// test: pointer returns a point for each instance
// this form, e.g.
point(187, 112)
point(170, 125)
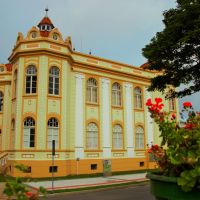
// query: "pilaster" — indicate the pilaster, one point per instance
point(79, 119)
point(106, 112)
point(129, 119)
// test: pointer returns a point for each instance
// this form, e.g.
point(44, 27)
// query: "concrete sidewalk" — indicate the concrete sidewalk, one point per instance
point(89, 182)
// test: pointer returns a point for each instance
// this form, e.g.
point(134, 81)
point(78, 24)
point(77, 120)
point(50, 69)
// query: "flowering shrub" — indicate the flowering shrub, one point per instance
point(16, 189)
point(179, 153)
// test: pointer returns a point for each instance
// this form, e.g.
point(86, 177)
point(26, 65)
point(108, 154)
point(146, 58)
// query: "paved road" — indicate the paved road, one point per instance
point(137, 192)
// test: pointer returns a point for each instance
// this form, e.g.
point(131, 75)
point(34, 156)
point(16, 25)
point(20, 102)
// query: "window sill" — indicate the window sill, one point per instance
point(92, 104)
point(118, 150)
point(29, 95)
point(93, 150)
point(53, 96)
point(117, 107)
point(139, 109)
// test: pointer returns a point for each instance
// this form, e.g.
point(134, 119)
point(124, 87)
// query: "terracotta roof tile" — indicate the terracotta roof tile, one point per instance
point(46, 20)
point(145, 65)
point(8, 67)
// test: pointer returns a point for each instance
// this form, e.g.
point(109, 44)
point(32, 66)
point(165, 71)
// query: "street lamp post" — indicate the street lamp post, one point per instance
point(52, 168)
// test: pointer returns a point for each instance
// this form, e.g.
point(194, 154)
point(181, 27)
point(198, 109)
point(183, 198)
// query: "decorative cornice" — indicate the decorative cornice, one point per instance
point(39, 40)
point(110, 61)
point(41, 51)
point(77, 65)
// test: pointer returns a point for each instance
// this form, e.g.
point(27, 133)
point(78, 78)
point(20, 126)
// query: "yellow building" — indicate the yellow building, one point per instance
point(92, 107)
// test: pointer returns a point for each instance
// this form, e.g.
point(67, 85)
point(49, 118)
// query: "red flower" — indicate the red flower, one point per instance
point(161, 119)
point(187, 105)
point(173, 116)
point(148, 103)
point(155, 147)
point(156, 107)
point(160, 106)
point(29, 194)
point(149, 150)
point(189, 126)
point(158, 100)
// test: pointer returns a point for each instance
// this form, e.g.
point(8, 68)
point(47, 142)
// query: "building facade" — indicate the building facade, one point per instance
point(92, 107)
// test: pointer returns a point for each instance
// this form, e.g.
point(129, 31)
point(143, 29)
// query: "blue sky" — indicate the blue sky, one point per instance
point(113, 29)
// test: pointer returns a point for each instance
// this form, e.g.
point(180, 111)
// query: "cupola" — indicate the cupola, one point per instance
point(45, 25)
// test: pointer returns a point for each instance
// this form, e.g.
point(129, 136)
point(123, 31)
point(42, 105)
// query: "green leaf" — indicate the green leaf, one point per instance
point(188, 179)
point(8, 192)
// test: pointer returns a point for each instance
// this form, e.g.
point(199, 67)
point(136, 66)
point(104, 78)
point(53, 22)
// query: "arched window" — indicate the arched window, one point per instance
point(137, 98)
point(13, 133)
point(92, 136)
point(53, 133)
point(15, 83)
point(139, 138)
point(29, 132)
point(92, 88)
point(117, 137)
point(31, 79)
point(54, 80)
point(116, 94)
point(1, 101)
point(172, 104)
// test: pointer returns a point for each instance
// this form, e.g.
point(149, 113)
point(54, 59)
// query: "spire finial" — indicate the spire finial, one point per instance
point(46, 9)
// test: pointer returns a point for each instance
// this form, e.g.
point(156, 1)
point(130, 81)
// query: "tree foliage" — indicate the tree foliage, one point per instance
point(176, 50)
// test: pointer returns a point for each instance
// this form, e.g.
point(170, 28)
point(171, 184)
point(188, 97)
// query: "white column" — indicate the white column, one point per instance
point(148, 95)
point(105, 85)
point(79, 113)
point(129, 119)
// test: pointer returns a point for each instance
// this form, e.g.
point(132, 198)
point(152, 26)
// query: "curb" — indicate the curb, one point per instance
point(96, 188)
point(97, 184)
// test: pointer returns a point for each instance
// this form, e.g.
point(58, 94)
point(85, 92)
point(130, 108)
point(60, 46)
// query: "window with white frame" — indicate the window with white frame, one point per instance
point(138, 98)
point(92, 88)
point(13, 133)
point(172, 104)
point(1, 101)
point(92, 136)
point(117, 137)
point(15, 83)
point(29, 132)
point(116, 94)
point(54, 73)
point(139, 143)
point(31, 79)
point(53, 133)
